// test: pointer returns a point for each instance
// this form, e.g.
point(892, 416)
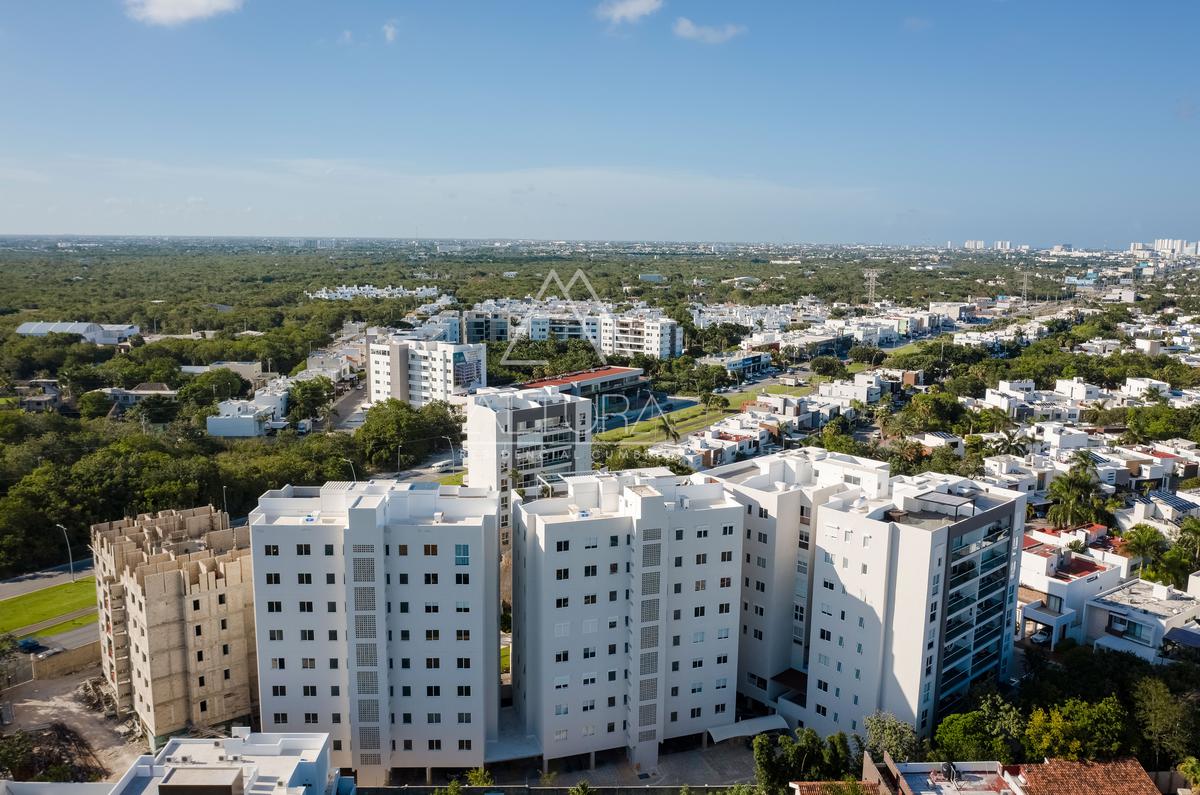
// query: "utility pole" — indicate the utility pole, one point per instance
point(872, 277)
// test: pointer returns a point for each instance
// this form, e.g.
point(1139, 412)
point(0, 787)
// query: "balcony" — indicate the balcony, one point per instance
point(966, 575)
point(956, 629)
point(954, 679)
point(957, 654)
point(958, 602)
point(993, 563)
point(970, 549)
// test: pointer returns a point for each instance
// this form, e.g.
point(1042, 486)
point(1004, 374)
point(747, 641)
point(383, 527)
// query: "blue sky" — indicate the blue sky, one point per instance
point(847, 121)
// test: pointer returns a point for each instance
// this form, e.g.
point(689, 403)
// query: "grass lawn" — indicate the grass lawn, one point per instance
point(691, 419)
point(911, 347)
point(505, 657)
point(66, 626)
point(455, 479)
point(31, 608)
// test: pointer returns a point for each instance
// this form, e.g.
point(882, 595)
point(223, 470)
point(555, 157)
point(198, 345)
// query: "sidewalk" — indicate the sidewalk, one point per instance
point(43, 579)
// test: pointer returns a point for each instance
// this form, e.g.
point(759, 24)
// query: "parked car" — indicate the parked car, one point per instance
point(1041, 637)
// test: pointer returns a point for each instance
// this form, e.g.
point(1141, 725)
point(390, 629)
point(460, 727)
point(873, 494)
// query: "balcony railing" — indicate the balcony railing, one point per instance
point(955, 629)
point(955, 678)
point(983, 543)
point(991, 564)
point(964, 576)
point(957, 654)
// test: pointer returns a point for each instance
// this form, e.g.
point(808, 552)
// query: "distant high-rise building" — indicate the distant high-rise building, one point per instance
point(974, 245)
point(1003, 245)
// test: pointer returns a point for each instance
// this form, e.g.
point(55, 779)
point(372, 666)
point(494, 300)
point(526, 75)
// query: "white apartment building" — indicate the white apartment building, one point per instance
point(422, 371)
point(846, 562)
point(632, 334)
point(514, 436)
point(377, 616)
point(625, 613)
point(176, 620)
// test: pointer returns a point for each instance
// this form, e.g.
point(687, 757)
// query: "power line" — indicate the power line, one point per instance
point(872, 277)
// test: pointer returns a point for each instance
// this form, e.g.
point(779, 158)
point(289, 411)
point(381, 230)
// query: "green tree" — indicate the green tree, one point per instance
point(582, 788)
point(886, 732)
point(93, 404)
point(1146, 543)
point(1164, 719)
point(309, 398)
point(1076, 730)
point(479, 777)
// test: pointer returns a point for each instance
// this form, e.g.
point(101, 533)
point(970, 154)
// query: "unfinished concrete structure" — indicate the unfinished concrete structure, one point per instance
point(176, 613)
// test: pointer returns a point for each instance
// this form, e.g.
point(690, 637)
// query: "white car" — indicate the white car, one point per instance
point(1041, 637)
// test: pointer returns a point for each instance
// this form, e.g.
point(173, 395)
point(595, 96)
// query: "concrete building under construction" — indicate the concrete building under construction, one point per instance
point(176, 613)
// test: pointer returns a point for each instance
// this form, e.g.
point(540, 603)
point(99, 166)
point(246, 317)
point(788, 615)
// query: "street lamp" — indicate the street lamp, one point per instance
point(453, 460)
point(352, 472)
point(70, 559)
point(225, 500)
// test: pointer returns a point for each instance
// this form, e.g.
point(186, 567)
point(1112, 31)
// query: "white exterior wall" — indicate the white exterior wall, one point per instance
point(420, 371)
point(660, 613)
point(391, 615)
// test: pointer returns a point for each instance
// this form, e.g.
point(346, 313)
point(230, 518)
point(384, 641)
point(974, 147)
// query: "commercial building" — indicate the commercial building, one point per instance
point(845, 561)
point(625, 630)
point(611, 388)
point(377, 617)
point(284, 764)
point(516, 435)
point(422, 371)
point(176, 616)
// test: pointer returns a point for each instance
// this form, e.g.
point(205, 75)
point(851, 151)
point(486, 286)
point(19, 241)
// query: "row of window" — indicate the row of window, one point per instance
point(462, 552)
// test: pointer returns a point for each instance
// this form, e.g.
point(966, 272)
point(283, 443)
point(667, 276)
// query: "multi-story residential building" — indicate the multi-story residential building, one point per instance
point(648, 335)
point(246, 762)
point(480, 326)
point(176, 616)
point(625, 628)
point(845, 562)
point(561, 326)
point(422, 371)
point(514, 436)
point(377, 616)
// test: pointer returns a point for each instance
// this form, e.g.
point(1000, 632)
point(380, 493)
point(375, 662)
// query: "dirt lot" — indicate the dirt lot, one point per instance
point(45, 701)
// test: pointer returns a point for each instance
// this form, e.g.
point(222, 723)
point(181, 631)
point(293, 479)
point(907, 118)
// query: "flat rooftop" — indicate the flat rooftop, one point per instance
point(981, 778)
point(583, 376)
point(1149, 598)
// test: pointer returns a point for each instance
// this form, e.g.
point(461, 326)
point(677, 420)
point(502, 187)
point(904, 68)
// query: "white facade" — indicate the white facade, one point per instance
point(377, 618)
point(846, 564)
point(631, 334)
point(422, 371)
point(526, 433)
point(247, 762)
point(625, 613)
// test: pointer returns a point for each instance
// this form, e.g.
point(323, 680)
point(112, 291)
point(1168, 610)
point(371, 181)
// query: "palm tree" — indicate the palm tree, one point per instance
point(1145, 543)
point(667, 428)
point(1009, 444)
point(1092, 413)
point(1188, 541)
point(1152, 395)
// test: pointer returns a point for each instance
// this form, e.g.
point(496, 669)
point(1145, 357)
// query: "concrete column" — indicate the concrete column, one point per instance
point(704, 739)
point(592, 761)
point(545, 766)
point(429, 775)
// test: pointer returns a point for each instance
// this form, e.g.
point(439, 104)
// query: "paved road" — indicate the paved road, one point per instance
point(41, 579)
point(345, 407)
point(50, 622)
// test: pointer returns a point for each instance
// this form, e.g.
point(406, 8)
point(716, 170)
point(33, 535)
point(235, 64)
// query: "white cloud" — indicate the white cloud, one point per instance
point(390, 30)
point(706, 34)
point(346, 38)
point(177, 12)
point(618, 11)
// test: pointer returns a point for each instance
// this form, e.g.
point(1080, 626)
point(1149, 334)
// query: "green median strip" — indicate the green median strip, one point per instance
point(47, 603)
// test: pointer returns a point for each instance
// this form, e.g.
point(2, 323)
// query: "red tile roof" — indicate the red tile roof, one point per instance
point(826, 787)
point(1060, 777)
point(582, 375)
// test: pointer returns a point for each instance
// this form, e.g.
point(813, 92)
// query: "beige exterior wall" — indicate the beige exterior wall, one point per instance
point(176, 614)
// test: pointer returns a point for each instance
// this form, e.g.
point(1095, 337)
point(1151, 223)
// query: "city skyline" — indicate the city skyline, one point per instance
point(626, 120)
